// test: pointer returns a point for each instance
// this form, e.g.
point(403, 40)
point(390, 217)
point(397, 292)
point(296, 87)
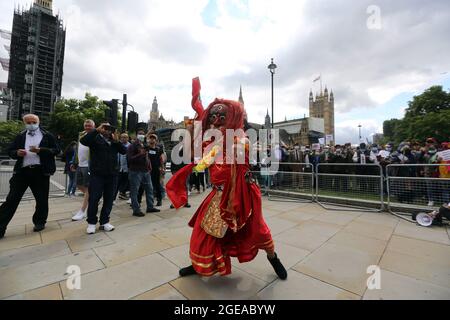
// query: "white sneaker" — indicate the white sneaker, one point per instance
point(431, 203)
point(91, 229)
point(129, 201)
point(80, 215)
point(107, 227)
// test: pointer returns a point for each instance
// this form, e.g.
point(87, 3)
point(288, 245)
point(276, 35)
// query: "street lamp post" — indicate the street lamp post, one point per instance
point(360, 126)
point(272, 66)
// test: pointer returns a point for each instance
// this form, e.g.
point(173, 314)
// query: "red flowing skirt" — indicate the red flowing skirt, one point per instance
point(210, 255)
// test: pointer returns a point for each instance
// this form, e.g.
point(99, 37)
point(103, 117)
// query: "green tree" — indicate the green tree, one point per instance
point(428, 115)
point(69, 115)
point(434, 99)
point(8, 131)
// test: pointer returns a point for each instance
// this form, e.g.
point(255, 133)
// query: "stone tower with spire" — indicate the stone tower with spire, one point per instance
point(241, 99)
point(267, 122)
point(323, 107)
point(154, 114)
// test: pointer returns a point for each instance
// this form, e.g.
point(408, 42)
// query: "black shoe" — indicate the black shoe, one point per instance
point(2, 233)
point(188, 271)
point(159, 203)
point(278, 267)
point(151, 210)
point(187, 205)
point(139, 214)
point(172, 206)
point(39, 227)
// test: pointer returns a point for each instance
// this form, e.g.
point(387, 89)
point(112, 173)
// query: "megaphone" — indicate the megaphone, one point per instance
point(425, 219)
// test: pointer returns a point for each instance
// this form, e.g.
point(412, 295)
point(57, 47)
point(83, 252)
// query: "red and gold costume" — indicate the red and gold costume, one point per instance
point(229, 222)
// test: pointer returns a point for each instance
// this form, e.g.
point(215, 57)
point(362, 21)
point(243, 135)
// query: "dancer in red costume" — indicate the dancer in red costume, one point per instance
point(229, 222)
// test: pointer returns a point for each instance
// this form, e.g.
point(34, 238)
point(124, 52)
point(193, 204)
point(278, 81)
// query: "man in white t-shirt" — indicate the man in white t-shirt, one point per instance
point(82, 166)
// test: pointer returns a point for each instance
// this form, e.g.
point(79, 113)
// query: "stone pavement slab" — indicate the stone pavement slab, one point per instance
point(395, 286)
point(326, 253)
point(124, 281)
point(433, 234)
point(89, 241)
point(302, 287)
point(237, 286)
point(309, 235)
point(339, 265)
point(15, 280)
point(262, 269)
point(372, 230)
point(422, 268)
point(165, 292)
point(131, 249)
point(51, 292)
point(16, 242)
point(31, 254)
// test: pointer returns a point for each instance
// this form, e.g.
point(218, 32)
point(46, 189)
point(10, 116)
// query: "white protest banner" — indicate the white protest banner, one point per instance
point(322, 141)
point(445, 155)
point(329, 138)
point(316, 146)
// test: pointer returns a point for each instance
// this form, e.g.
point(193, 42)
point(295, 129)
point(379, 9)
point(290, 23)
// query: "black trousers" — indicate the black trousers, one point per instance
point(156, 181)
point(18, 184)
point(122, 184)
point(100, 186)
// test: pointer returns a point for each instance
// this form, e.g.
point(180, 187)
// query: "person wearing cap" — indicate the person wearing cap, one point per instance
point(104, 147)
point(155, 156)
point(139, 174)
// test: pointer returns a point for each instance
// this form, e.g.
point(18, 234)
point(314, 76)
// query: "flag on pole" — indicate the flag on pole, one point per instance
point(317, 79)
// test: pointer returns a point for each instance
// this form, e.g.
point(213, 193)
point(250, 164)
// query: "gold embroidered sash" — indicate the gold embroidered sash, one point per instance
point(212, 223)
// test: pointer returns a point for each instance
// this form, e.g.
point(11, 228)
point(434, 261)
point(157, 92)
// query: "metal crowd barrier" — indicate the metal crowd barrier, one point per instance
point(58, 182)
point(349, 187)
point(291, 182)
point(417, 187)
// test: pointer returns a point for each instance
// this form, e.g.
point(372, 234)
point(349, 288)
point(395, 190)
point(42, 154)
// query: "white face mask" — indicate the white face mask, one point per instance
point(141, 137)
point(32, 127)
point(296, 147)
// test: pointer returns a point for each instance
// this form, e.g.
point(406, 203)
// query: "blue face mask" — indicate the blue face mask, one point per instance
point(32, 127)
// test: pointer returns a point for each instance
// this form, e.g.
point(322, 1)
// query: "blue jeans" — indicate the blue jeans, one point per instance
point(137, 178)
point(100, 186)
point(72, 186)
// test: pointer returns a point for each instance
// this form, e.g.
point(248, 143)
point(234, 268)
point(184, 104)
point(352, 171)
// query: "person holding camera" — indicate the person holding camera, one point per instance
point(104, 146)
point(139, 174)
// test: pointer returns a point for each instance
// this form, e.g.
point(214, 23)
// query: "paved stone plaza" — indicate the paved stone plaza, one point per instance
point(327, 253)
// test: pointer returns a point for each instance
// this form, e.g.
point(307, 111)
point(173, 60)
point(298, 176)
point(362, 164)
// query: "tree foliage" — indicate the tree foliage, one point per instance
point(8, 131)
point(428, 115)
point(69, 115)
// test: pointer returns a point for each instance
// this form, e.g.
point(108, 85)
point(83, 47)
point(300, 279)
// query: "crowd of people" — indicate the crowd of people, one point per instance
point(103, 165)
point(412, 159)
point(107, 167)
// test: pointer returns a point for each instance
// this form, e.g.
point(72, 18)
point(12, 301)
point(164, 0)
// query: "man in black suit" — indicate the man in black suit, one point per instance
point(35, 150)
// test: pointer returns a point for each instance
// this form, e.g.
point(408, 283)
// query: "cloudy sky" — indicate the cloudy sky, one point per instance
point(375, 55)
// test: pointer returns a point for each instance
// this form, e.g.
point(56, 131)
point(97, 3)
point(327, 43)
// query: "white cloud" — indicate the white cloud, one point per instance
point(154, 48)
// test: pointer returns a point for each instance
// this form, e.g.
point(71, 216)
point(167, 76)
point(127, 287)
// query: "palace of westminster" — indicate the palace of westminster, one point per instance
point(304, 131)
